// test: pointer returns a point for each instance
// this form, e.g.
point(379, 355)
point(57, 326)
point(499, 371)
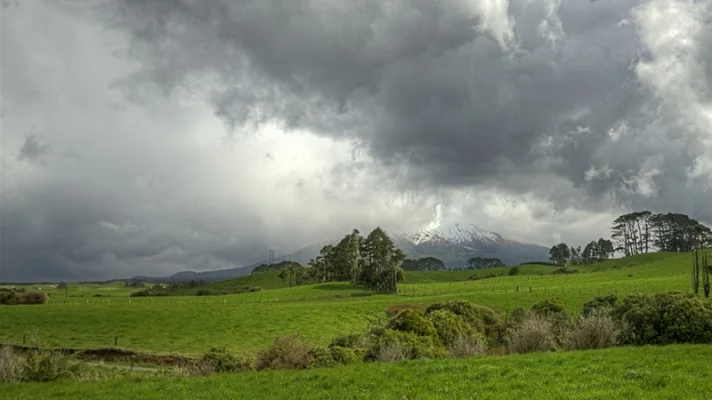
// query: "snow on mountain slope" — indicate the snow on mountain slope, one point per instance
point(454, 244)
point(456, 234)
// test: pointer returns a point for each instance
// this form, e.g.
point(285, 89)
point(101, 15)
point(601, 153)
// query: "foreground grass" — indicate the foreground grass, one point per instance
point(680, 371)
point(251, 321)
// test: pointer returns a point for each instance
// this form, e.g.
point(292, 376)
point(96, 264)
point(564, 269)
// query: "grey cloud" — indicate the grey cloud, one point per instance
point(32, 148)
point(443, 96)
point(417, 82)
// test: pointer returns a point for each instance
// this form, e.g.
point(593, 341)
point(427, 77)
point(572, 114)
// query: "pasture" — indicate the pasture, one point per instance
point(679, 371)
point(250, 321)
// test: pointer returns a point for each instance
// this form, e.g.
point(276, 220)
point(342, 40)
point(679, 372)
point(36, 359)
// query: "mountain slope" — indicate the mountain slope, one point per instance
point(457, 243)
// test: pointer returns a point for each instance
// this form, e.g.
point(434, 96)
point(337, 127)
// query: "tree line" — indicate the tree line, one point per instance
point(643, 231)
point(635, 233)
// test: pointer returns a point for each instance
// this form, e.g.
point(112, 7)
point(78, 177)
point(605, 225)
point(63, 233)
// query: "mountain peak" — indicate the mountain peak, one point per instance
point(457, 234)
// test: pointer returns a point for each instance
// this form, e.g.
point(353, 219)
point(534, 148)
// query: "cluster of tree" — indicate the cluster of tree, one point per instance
point(134, 284)
point(373, 261)
point(423, 264)
point(643, 231)
point(596, 251)
point(274, 267)
point(484, 263)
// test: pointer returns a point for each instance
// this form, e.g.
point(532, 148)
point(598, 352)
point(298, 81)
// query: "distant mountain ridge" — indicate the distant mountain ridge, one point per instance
point(453, 244)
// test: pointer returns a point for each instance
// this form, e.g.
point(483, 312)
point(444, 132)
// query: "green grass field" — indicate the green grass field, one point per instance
point(671, 372)
point(250, 321)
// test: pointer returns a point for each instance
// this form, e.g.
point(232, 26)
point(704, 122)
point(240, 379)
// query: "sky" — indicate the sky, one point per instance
point(154, 137)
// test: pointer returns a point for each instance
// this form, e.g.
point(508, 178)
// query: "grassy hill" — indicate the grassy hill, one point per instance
point(250, 321)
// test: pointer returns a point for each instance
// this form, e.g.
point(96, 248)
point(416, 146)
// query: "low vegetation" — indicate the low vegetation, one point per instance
point(20, 296)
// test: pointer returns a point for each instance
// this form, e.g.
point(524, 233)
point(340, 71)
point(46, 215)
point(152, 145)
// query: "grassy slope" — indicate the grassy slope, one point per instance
point(250, 321)
point(265, 280)
point(680, 372)
point(114, 289)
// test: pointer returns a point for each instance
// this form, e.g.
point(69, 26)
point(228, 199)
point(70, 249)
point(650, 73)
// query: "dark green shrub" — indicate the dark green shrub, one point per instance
point(665, 318)
point(450, 326)
point(350, 341)
point(320, 357)
point(599, 303)
point(550, 306)
point(287, 352)
point(222, 361)
point(513, 271)
point(394, 309)
point(412, 321)
point(206, 292)
point(481, 319)
point(344, 355)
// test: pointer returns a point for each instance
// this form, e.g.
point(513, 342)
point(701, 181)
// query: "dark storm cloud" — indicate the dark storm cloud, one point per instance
point(420, 85)
point(32, 149)
point(566, 104)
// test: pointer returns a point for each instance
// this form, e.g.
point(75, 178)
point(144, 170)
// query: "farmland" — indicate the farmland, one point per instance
point(250, 321)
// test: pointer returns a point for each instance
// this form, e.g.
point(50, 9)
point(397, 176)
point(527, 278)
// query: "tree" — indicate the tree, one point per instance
point(381, 266)
point(423, 264)
point(560, 254)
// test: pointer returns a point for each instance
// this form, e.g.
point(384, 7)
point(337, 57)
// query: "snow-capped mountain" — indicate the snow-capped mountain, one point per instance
point(455, 234)
point(455, 244)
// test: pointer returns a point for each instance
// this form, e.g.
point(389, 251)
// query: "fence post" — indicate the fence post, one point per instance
point(116, 341)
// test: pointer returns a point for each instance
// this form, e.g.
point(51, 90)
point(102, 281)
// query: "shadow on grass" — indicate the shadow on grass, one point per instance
point(338, 286)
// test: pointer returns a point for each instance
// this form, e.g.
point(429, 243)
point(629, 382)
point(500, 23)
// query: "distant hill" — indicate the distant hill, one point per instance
point(454, 245)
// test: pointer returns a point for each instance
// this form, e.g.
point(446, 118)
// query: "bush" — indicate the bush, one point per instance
point(12, 368)
point(287, 352)
point(549, 307)
point(450, 326)
point(44, 365)
point(15, 297)
point(467, 346)
point(513, 271)
point(394, 309)
point(665, 318)
point(534, 333)
point(412, 321)
point(598, 303)
point(222, 361)
point(320, 357)
point(344, 355)
point(597, 330)
point(481, 319)
point(391, 345)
